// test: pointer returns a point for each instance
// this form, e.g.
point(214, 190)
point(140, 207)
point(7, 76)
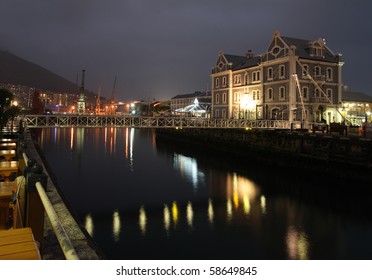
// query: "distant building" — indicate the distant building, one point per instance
point(293, 80)
point(180, 104)
point(356, 107)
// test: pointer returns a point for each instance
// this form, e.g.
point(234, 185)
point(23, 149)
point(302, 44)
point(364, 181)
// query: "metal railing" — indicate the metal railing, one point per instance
point(53, 121)
point(62, 237)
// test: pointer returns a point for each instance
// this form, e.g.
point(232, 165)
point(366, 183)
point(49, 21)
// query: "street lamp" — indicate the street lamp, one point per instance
point(248, 105)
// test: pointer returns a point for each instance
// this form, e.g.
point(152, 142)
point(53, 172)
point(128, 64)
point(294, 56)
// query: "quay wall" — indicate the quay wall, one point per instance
point(348, 157)
point(84, 246)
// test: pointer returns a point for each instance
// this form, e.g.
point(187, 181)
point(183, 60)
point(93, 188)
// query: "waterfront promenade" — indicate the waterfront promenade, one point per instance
point(41, 229)
point(51, 250)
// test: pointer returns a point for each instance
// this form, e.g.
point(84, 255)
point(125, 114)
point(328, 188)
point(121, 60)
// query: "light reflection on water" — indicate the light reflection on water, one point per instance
point(145, 196)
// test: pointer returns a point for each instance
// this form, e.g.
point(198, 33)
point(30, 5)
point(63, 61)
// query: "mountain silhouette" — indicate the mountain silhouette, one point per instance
point(18, 71)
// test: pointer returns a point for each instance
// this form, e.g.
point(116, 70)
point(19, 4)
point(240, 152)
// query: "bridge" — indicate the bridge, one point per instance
point(53, 121)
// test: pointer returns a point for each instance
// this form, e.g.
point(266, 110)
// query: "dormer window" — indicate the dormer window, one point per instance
point(316, 48)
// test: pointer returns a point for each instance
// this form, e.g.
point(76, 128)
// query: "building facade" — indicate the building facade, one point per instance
point(356, 107)
point(183, 100)
point(295, 80)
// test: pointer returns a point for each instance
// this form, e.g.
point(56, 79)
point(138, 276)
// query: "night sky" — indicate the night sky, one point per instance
point(162, 48)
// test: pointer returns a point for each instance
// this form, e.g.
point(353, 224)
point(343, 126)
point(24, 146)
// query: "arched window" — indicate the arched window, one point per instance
point(270, 75)
point(329, 74)
point(282, 93)
point(281, 71)
point(317, 71)
point(224, 81)
point(305, 93)
point(270, 94)
point(305, 71)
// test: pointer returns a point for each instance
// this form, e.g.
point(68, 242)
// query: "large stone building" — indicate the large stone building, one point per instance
point(293, 80)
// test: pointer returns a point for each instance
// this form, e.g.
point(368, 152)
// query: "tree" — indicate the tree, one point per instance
point(6, 98)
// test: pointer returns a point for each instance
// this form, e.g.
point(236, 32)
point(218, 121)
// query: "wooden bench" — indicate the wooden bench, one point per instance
point(8, 154)
point(6, 197)
point(7, 168)
point(8, 146)
point(18, 244)
point(8, 140)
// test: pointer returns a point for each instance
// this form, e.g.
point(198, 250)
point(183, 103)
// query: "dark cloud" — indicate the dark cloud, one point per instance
point(161, 48)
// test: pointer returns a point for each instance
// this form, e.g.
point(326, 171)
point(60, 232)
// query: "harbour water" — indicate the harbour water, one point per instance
point(140, 198)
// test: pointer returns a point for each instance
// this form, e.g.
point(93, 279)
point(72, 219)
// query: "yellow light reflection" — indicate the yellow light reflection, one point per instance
point(189, 214)
point(297, 244)
point(263, 204)
point(72, 138)
point(142, 220)
point(246, 205)
point(116, 225)
point(210, 211)
point(167, 218)
point(229, 210)
point(240, 191)
point(89, 226)
point(175, 213)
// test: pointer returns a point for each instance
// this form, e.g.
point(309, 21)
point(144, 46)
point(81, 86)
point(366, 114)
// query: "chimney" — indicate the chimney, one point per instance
point(249, 54)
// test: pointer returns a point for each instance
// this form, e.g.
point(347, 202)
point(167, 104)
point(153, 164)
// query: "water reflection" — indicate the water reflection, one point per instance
point(142, 220)
point(189, 214)
point(210, 211)
point(89, 225)
point(216, 207)
point(297, 244)
point(116, 225)
point(263, 204)
point(175, 213)
point(240, 192)
point(189, 169)
point(166, 218)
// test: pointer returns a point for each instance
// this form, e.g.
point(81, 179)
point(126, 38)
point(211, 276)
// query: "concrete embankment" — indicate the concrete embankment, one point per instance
point(320, 154)
point(84, 246)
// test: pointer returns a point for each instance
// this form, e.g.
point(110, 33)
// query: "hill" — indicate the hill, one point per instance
point(18, 71)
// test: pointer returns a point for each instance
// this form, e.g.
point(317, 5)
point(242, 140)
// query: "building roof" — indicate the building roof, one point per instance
point(355, 96)
point(193, 95)
point(303, 46)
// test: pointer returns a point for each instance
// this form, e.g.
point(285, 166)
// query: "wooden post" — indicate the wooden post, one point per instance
point(34, 207)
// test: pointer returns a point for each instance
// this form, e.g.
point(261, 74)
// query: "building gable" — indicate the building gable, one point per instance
point(227, 62)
